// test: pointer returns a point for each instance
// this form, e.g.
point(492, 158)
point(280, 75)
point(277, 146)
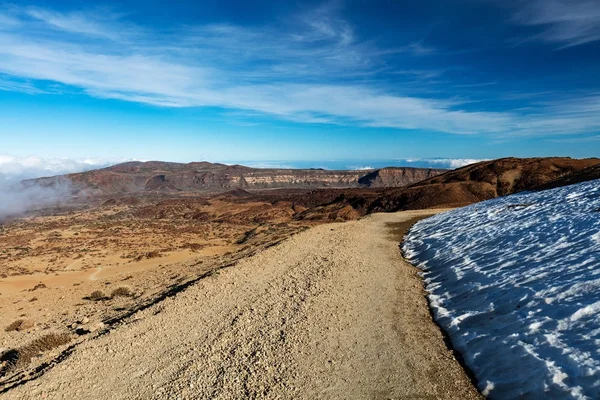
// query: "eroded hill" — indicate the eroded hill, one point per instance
point(467, 185)
point(155, 176)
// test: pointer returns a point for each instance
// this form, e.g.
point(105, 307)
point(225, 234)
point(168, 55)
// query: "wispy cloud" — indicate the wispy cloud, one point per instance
point(313, 68)
point(11, 84)
point(268, 165)
point(584, 139)
point(558, 117)
point(566, 22)
point(360, 167)
point(79, 23)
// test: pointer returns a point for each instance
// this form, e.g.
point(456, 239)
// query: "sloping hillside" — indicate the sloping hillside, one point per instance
point(396, 177)
point(511, 175)
point(584, 175)
point(460, 187)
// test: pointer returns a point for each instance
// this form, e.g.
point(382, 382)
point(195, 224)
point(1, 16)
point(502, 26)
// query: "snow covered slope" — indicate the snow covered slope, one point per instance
point(515, 282)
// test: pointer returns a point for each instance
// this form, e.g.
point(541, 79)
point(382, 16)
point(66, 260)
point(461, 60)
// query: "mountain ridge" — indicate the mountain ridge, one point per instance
point(158, 176)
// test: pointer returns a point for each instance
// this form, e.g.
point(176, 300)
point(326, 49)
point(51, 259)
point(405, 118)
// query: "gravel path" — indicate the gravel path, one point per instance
point(332, 312)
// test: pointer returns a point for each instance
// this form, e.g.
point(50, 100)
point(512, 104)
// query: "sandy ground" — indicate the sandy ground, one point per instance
point(51, 263)
point(332, 312)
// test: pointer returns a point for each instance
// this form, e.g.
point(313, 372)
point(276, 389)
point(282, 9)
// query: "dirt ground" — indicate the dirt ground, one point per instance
point(76, 271)
point(332, 312)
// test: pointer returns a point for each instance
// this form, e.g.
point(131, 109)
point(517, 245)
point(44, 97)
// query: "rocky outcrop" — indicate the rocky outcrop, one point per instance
point(397, 177)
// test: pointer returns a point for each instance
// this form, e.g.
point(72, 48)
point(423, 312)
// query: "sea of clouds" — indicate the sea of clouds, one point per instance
point(15, 169)
point(17, 197)
point(360, 165)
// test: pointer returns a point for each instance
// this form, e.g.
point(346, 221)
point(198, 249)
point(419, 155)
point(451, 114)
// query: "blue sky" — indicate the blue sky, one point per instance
point(299, 80)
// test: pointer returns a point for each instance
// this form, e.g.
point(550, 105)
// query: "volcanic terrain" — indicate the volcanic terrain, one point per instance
point(473, 183)
point(155, 176)
point(135, 234)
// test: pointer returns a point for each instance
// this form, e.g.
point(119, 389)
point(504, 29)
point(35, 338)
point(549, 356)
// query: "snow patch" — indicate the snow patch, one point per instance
point(515, 282)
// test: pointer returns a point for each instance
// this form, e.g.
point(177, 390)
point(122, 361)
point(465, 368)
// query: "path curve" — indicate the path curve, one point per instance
point(331, 313)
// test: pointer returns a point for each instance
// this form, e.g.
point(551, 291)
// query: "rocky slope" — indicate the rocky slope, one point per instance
point(467, 185)
point(157, 176)
point(584, 175)
point(395, 177)
point(510, 175)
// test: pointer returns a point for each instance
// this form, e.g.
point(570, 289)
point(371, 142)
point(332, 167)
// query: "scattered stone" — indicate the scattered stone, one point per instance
point(38, 286)
point(97, 327)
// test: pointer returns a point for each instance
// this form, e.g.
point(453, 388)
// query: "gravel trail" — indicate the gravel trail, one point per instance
point(331, 313)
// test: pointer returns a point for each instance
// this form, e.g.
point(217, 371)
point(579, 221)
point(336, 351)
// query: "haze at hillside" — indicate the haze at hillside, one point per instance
point(15, 199)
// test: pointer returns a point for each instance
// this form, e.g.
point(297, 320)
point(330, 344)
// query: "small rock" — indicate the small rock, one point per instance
point(97, 327)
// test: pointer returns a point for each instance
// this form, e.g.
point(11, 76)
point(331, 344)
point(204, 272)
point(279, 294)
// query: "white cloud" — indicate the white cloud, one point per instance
point(250, 70)
point(567, 22)
point(584, 139)
point(14, 169)
point(453, 163)
point(267, 165)
point(160, 78)
point(17, 197)
point(444, 163)
point(102, 24)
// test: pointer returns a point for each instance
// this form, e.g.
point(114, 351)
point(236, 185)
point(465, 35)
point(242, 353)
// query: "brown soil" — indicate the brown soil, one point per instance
point(584, 175)
point(79, 270)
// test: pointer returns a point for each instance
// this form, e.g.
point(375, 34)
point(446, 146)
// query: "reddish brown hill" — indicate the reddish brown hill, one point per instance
point(467, 185)
point(156, 176)
point(396, 177)
point(510, 175)
point(584, 175)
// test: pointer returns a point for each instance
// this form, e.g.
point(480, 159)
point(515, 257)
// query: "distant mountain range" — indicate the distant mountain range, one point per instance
point(318, 194)
point(156, 176)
